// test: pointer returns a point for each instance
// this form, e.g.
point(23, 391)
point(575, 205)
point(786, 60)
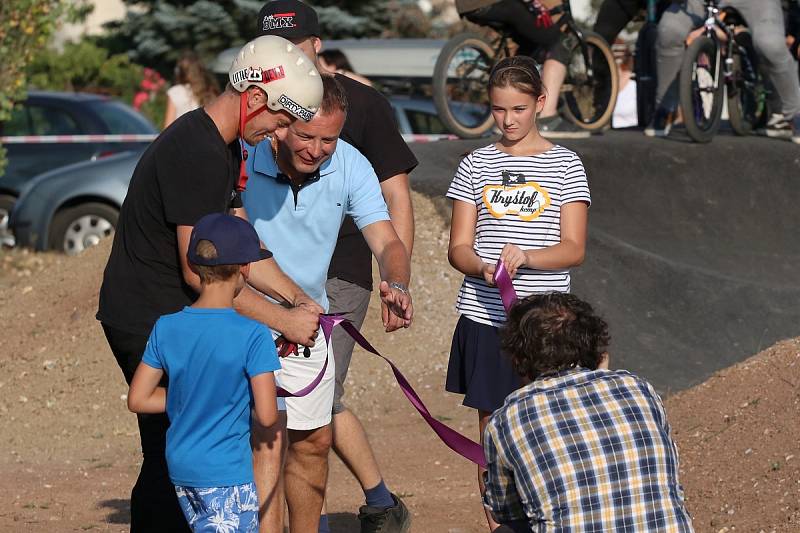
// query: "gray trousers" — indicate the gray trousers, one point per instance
point(765, 19)
point(352, 301)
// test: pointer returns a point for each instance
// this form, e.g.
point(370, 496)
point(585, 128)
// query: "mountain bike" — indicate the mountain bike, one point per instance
point(461, 76)
point(721, 62)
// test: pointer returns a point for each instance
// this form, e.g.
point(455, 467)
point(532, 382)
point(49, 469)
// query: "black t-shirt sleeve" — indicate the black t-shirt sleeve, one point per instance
point(192, 185)
point(371, 127)
point(383, 145)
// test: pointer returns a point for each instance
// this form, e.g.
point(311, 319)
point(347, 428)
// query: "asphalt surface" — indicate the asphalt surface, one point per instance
point(693, 251)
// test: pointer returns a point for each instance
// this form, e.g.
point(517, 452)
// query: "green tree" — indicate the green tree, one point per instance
point(26, 27)
point(86, 67)
point(156, 32)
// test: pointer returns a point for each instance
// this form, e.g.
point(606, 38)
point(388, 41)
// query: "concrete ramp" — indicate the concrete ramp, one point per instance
point(694, 250)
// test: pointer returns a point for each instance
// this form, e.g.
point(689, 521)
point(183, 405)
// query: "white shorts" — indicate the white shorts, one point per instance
point(297, 371)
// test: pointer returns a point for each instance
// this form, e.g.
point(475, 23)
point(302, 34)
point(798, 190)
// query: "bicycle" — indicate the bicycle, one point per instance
point(721, 59)
point(462, 70)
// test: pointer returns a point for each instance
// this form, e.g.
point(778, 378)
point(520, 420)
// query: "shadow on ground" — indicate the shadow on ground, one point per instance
point(344, 523)
point(120, 511)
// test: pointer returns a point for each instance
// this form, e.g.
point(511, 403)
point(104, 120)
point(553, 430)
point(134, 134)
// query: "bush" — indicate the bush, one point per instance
point(85, 67)
point(25, 27)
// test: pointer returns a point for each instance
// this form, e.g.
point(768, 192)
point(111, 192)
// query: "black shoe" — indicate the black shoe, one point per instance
point(395, 519)
point(660, 125)
point(556, 127)
point(779, 127)
point(796, 129)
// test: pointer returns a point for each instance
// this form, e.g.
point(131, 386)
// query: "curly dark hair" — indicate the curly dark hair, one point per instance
point(553, 332)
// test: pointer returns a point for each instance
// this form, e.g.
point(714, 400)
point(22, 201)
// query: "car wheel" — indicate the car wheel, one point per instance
point(75, 229)
point(6, 204)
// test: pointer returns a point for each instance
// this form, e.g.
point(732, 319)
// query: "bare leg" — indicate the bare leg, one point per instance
point(306, 475)
point(351, 445)
point(483, 419)
point(269, 453)
point(553, 75)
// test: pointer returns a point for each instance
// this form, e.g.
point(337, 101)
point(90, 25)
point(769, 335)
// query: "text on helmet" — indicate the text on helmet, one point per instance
point(258, 75)
point(296, 109)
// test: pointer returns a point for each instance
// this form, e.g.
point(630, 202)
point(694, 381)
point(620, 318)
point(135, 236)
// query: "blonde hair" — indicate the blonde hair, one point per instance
point(190, 71)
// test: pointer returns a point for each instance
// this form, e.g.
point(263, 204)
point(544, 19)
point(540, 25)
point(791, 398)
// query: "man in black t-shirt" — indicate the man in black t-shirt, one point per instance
point(189, 171)
point(370, 127)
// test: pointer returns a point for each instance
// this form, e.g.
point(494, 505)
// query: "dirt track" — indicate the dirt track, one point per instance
point(69, 446)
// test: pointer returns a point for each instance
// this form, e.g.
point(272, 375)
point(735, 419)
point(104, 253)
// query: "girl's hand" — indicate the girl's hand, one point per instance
point(488, 273)
point(513, 258)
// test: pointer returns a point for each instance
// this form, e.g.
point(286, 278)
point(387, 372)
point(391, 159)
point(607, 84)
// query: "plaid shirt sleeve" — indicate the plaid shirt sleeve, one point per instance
point(501, 495)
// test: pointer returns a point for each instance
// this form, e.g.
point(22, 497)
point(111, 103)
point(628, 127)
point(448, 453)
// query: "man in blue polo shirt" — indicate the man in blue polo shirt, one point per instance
point(299, 192)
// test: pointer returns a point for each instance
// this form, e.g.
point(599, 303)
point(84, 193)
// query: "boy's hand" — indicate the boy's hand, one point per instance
point(300, 326)
point(397, 310)
point(488, 273)
point(513, 257)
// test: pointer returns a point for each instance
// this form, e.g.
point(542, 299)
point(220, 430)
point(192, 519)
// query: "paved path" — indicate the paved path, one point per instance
point(694, 250)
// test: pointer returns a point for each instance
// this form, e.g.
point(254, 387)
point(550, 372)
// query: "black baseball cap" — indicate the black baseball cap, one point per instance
point(290, 19)
point(236, 241)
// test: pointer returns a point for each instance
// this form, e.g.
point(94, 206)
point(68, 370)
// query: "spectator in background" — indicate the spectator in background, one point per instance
point(194, 87)
point(580, 447)
point(625, 115)
point(370, 127)
point(335, 62)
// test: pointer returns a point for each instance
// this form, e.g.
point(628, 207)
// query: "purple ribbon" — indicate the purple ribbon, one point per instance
point(504, 284)
point(327, 329)
point(457, 442)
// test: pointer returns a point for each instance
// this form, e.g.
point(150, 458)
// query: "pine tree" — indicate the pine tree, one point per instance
point(156, 32)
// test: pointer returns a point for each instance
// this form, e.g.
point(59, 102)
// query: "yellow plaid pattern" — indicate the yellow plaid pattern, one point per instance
point(584, 451)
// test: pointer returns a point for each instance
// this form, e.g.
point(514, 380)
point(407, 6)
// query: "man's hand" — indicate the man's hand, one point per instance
point(306, 302)
point(513, 258)
point(396, 308)
point(300, 325)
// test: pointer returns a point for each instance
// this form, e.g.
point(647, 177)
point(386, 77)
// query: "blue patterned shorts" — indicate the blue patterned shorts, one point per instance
point(220, 509)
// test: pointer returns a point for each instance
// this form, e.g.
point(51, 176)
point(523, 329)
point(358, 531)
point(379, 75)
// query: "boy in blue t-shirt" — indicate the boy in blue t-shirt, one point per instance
point(219, 363)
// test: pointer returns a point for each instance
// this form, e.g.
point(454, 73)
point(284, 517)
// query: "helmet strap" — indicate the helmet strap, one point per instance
point(244, 118)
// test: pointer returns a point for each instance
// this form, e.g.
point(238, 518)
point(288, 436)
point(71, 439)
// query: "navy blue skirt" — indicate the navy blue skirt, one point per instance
point(477, 368)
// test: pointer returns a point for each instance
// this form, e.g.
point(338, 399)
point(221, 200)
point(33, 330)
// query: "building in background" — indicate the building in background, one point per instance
point(104, 11)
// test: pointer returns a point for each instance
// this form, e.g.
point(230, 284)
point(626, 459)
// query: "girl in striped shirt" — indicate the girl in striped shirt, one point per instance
point(522, 200)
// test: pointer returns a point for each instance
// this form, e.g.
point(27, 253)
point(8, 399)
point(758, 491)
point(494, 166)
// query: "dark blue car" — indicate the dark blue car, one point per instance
point(51, 130)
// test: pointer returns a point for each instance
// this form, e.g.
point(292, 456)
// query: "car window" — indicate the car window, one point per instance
point(422, 122)
point(120, 118)
point(52, 121)
point(18, 124)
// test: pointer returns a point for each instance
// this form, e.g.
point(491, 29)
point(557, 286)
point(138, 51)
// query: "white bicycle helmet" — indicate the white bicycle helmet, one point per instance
point(289, 78)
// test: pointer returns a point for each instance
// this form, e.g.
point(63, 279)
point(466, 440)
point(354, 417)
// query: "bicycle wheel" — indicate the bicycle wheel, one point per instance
point(701, 86)
point(460, 80)
point(589, 100)
point(747, 97)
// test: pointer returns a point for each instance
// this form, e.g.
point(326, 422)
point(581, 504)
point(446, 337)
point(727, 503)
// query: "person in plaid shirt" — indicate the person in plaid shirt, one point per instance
point(580, 447)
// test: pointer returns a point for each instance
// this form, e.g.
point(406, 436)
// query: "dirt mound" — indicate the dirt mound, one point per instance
point(739, 443)
point(70, 447)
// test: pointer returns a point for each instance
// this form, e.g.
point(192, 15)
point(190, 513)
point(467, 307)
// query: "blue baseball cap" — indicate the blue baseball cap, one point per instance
point(236, 241)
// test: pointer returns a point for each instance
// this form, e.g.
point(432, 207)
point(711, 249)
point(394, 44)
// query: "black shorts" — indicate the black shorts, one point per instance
point(477, 368)
point(514, 15)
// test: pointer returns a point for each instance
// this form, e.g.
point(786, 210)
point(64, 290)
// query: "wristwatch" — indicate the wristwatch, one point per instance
point(400, 287)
